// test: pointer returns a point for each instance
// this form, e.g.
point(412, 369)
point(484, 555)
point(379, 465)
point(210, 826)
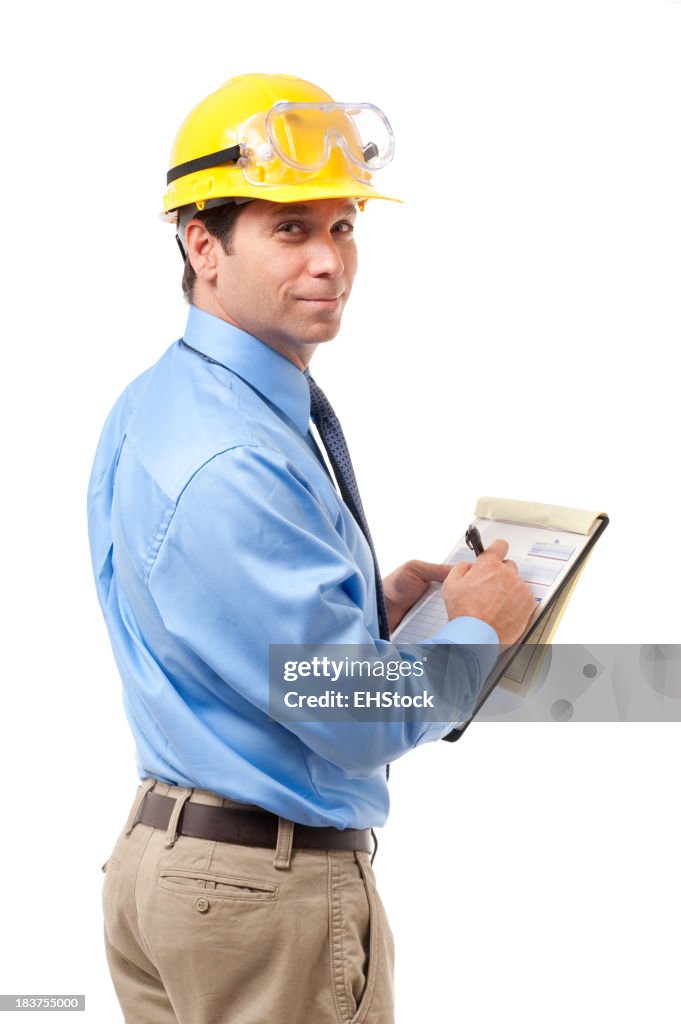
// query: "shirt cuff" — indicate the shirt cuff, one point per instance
point(471, 633)
point(466, 630)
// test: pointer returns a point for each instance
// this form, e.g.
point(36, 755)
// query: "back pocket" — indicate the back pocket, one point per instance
point(228, 887)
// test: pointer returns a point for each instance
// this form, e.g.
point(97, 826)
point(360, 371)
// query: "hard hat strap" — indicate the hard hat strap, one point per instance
point(223, 156)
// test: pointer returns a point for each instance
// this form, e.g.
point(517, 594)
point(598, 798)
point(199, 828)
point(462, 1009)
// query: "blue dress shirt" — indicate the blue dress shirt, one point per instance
point(215, 530)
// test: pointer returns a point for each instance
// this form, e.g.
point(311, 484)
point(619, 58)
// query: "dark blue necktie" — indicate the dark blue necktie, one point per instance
point(331, 433)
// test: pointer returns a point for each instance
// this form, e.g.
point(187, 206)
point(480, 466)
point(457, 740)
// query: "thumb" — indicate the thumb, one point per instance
point(433, 572)
point(498, 547)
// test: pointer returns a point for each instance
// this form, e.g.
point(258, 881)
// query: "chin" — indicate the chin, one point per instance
point(322, 332)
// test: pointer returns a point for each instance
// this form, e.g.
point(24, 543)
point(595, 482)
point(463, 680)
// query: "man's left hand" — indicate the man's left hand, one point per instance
point(403, 587)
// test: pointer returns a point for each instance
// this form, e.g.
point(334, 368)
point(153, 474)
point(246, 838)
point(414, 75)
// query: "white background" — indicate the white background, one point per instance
point(513, 331)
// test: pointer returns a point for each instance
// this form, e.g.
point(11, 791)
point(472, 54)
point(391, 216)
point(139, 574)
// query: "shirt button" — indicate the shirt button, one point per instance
point(201, 904)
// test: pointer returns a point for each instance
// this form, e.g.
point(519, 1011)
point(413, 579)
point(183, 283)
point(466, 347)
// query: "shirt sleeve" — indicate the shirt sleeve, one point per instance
point(253, 557)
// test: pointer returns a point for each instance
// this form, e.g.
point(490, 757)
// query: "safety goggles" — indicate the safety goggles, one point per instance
point(292, 142)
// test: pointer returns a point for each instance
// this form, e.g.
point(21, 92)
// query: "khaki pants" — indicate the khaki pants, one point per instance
point(203, 932)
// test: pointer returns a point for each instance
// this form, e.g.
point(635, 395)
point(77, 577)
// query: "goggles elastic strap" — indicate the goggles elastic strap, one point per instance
point(223, 156)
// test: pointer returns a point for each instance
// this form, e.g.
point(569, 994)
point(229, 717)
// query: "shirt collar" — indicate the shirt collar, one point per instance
point(271, 374)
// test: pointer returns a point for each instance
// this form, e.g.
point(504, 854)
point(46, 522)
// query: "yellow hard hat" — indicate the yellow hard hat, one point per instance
point(279, 138)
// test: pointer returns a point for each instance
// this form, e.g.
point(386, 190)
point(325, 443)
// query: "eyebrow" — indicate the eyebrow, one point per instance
point(293, 208)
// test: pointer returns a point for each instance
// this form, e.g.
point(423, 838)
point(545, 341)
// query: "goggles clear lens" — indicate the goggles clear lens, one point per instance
point(292, 142)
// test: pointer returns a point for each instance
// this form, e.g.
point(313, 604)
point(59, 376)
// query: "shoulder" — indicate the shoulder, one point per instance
point(189, 413)
point(203, 452)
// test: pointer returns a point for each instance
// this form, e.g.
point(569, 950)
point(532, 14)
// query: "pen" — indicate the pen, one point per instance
point(473, 540)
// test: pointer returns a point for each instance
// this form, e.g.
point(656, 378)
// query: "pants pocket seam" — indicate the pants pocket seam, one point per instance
point(372, 969)
point(336, 959)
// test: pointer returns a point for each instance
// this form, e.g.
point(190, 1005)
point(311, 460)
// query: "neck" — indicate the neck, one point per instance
point(296, 352)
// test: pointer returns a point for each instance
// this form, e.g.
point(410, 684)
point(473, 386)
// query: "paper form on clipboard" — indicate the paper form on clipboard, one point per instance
point(550, 545)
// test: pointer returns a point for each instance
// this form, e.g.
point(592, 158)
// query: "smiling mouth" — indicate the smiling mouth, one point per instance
point(327, 301)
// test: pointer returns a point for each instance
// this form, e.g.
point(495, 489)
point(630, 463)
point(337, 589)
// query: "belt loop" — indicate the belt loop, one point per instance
point(375, 846)
point(180, 800)
point(144, 788)
point(282, 854)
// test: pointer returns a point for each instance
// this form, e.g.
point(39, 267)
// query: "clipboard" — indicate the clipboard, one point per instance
point(551, 545)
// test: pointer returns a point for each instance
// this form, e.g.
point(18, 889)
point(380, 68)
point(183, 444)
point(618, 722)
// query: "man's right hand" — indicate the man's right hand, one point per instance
point(490, 589)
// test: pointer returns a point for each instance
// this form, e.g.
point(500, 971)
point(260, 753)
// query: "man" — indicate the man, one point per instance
point(241, 887)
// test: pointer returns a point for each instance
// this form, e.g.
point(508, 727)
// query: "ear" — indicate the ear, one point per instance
point(201, 249)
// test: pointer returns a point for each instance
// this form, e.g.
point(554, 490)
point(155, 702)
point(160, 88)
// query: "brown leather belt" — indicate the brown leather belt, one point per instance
point(247, 828)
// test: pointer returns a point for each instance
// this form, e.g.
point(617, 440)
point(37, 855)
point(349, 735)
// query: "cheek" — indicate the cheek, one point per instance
point(351, 265)
point(279, 277)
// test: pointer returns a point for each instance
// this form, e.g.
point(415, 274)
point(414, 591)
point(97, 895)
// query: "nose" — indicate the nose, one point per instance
point(325, 259)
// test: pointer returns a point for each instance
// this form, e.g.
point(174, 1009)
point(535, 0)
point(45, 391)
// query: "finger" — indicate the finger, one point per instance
point(511, 564)
point(498, 548)
point(458, 571)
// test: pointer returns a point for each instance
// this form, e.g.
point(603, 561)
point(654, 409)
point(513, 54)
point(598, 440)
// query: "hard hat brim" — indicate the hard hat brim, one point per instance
point(300, 193)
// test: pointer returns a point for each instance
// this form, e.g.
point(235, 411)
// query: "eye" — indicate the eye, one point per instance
point(344, 227)
point(290, 228)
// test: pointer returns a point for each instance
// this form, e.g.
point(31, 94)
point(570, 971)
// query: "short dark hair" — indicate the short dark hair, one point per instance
point(219, 222)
